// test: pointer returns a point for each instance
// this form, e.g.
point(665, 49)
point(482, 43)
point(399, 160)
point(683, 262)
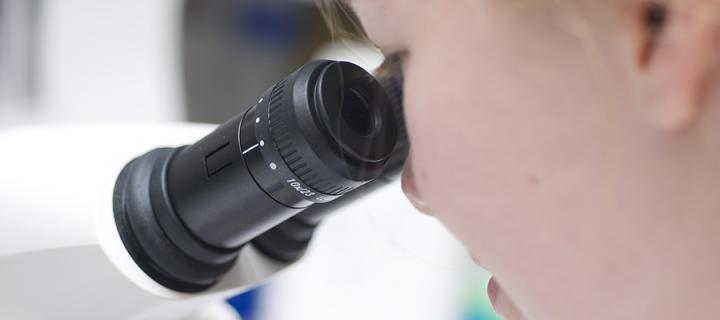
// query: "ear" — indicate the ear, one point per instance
point(677, 59)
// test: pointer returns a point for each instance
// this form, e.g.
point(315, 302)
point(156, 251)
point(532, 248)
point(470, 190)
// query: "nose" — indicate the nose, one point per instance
point(409, 186)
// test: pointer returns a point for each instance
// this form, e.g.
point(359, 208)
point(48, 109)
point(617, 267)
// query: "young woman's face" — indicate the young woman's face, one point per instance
point(531, 142)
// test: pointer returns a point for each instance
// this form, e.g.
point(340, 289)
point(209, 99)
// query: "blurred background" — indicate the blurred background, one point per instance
point(87, 61)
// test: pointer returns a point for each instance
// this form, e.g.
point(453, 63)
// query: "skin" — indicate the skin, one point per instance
point(572, 150)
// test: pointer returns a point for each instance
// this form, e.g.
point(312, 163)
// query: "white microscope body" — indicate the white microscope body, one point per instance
point(61, 256)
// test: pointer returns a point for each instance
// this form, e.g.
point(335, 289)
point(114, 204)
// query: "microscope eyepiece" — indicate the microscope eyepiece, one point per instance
point(300, 144)
point(320, 133)
point(331, 126)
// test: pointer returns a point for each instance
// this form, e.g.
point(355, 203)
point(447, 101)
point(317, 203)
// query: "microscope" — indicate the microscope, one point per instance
point(152, 221)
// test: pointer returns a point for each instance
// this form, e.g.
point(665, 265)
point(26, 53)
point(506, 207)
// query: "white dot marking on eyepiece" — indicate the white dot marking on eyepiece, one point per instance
point(260, 101)
point(273, 165)
point(262, 143)
point(257, 120)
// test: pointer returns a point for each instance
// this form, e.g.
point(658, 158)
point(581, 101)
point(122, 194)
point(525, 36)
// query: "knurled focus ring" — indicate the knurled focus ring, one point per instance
point(278, 120)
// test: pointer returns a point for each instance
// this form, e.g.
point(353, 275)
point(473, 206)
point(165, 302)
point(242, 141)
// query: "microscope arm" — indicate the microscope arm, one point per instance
point(60, 253)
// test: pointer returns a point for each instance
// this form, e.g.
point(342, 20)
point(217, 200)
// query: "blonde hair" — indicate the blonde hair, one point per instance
point(341, 20)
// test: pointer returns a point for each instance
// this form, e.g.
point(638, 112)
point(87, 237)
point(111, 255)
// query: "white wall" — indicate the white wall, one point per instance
point(105, 61)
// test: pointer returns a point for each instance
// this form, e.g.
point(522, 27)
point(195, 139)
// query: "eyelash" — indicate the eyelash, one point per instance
point(390, 75)
point(393, 64)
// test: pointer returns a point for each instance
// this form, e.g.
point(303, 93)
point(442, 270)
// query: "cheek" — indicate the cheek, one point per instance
point(449, 164)
point(500, 140)
point(516, 146)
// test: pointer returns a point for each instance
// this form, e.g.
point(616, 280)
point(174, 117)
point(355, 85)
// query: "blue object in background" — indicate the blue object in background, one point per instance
point(476, 303)
point(279, 25)
point(247, 304)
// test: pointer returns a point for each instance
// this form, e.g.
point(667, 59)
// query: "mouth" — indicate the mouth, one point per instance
point(501, 302)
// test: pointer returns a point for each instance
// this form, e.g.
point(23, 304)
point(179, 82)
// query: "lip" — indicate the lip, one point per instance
point(492, 291)
point(502, 304)
point(409, 186)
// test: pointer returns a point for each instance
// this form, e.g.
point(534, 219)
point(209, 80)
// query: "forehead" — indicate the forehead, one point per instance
point(387, 21)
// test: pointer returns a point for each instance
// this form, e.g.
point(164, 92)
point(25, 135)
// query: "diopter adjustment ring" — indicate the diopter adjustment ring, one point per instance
point(328, 150)
point(285, 136)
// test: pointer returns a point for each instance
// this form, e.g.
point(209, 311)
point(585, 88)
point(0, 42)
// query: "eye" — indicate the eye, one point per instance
point(390, 75)
point(392, 67)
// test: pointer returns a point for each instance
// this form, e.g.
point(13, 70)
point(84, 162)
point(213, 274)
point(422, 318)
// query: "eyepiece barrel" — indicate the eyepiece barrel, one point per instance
point(325, 130)
point(322, 132)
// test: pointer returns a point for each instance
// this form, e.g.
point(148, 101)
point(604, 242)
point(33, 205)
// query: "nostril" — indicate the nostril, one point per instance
point(409, 186)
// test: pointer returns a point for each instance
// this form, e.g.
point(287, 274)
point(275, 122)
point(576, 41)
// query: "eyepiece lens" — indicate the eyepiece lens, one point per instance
point(356, 114)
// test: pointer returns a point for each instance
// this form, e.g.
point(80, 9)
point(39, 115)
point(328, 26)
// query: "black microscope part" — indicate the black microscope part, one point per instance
point(326, 130)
